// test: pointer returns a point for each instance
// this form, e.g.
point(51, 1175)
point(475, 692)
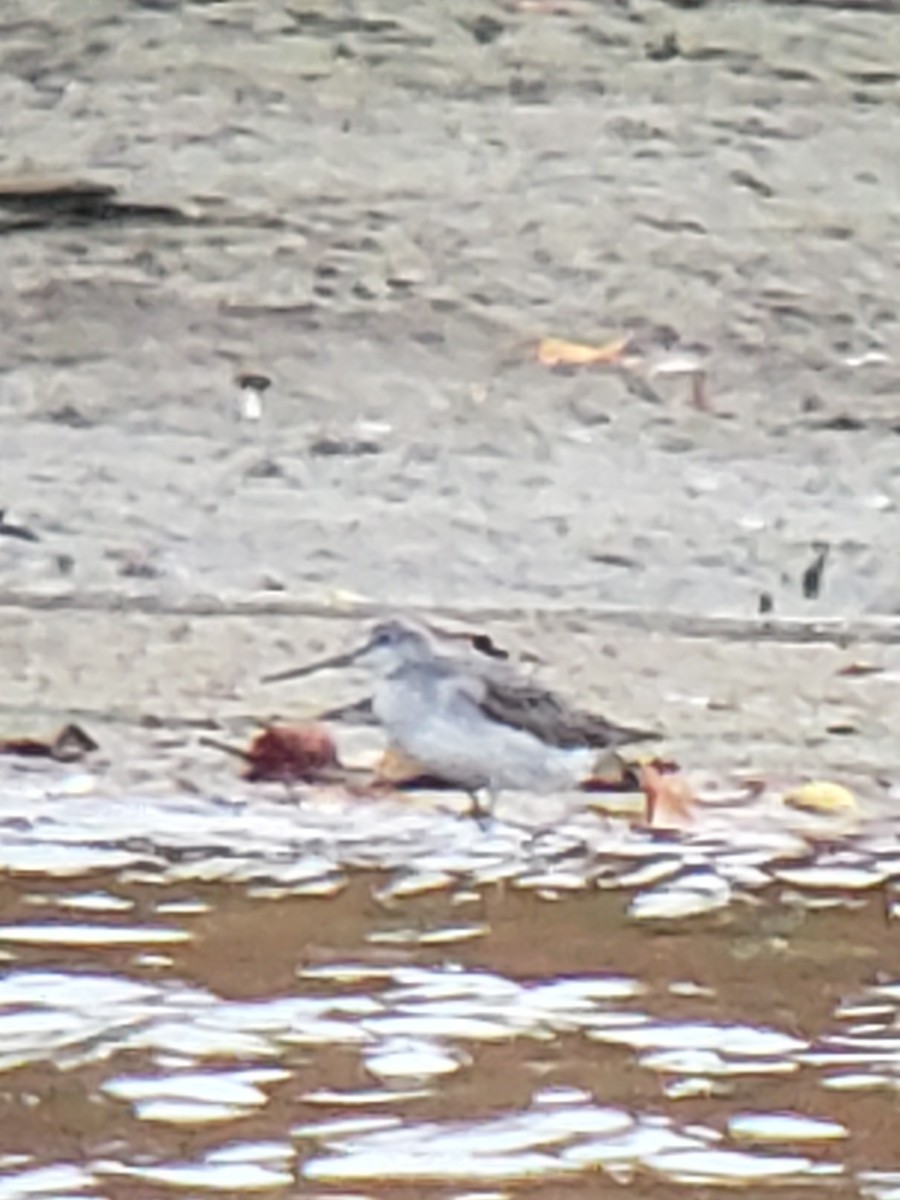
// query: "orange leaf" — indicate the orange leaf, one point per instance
point(669, 801)
point(396, 769)
point(557, 352)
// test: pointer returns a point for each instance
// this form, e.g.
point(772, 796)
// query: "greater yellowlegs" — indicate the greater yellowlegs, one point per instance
point(471, 720)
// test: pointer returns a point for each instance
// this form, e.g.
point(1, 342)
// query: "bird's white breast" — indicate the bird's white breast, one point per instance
point(437, 721)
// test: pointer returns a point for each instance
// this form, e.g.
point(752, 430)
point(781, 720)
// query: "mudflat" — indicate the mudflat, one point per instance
point(382, 210)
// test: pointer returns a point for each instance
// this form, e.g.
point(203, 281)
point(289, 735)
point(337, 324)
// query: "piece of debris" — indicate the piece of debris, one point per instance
point(343, 447)
point(746, 179)
point(670, 802)
point(842, 729)
point(485, 644)
point(868, 358)
point(38, 202)
point(822, 796)
point(860, 670)
point(70, 744)
point(841, 423)
point(22, 532)
point(254, 381)
point(611, 772)
point(133, 563)
point(253, 387)
point(265, 468)
point(484, 29)
point(648, 352)
point(666, 48)
point(70, 416)
point(611, 559)
point(814, 574)
point(286, 754)
point(558, 352)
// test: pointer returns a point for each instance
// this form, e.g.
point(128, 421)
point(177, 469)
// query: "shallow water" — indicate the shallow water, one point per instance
point(242, 1004)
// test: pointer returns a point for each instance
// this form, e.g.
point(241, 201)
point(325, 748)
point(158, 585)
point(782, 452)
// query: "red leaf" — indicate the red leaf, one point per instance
point(289, 753)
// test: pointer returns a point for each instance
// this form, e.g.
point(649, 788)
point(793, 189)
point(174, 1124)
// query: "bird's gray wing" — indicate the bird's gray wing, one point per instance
point(525, 705)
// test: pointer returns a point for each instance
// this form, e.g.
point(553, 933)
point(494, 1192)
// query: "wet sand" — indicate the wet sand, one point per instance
point(382, 213)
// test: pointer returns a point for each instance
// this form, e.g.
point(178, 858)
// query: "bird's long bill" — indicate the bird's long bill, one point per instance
point(322, 664)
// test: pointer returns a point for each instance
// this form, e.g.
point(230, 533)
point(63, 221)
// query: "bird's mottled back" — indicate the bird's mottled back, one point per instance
point(524, 705)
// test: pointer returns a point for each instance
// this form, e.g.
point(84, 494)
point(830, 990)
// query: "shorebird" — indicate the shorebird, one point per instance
point(472, 720)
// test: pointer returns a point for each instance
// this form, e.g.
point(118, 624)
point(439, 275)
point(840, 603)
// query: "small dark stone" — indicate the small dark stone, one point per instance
point(254, 382)
point(664, 50)
point(485, 29)
point(332, 447)
point(527, 89)
point(753, 184)
point(842, 423)
point(69, 415)
point(429, 337)
point(766, 603)
point(266, 468)
point(842, 729)
point(586, 409)
point(814, 573)
point(484, 644)
point(21, 532)
point(138, 568)
point(617, 560)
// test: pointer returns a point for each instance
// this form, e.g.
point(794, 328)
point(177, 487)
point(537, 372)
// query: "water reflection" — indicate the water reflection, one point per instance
point(419, 1027)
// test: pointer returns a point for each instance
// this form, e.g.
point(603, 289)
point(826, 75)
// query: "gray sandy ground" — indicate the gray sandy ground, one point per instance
point(382, 209)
